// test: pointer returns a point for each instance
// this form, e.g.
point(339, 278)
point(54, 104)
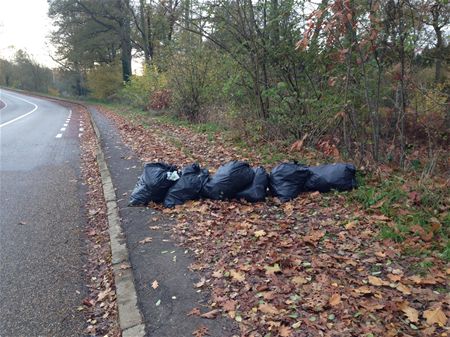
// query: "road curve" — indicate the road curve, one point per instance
point(41, 219)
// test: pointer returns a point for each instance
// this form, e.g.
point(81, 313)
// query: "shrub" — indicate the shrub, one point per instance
point(140, 90)
point(105, 80)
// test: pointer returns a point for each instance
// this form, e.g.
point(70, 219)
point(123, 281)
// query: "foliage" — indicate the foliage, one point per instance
point(369, 77)
point(139, 90)
point(104, 80)
point(25, 73)
point(193, 81)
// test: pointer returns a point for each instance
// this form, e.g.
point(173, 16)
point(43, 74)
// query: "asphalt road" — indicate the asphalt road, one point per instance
point(41, 219)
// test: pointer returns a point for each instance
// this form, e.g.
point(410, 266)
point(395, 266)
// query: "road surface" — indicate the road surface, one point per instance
point(41, 219)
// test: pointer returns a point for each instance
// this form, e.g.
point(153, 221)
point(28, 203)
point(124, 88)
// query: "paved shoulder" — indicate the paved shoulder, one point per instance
point(166, 306)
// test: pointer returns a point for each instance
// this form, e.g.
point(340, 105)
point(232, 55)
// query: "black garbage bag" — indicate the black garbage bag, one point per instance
point(188, 187)
point(325, 178)
point(287, 180)
point(153, 184)
point(229, 179)
point(257, 191)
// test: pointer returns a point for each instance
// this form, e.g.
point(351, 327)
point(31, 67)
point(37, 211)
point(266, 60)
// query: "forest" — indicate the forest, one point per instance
point(366, 78)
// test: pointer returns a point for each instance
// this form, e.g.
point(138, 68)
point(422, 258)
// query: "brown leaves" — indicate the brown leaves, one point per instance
point(299, 280)
point(260, 233)
point(376, 281)
point(411, 313)
point(146, 240)
point(335, 299)
point(201, 331)
point(237, 276)
point(285, 331)
point(275, 267)
point(211, 314)
point(314, 236)
point(194, 312)
point(200, 283)
point(268, 309)
point(435, 316)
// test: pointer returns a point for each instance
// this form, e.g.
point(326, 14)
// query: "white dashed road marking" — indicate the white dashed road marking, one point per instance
point(59, 135)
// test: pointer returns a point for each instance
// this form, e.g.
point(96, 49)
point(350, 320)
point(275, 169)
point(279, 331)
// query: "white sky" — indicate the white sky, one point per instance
point(24, 24)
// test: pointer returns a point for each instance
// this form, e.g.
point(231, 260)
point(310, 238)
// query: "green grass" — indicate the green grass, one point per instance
point(390, 199)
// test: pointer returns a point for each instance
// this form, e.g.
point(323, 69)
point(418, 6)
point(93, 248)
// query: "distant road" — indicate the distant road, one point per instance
point(41, 222)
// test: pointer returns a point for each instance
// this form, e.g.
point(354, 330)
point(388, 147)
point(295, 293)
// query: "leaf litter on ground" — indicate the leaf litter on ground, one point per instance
point(312, 266)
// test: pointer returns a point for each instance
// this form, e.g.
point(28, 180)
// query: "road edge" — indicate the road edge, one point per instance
point(130, 318)
point(131, 321)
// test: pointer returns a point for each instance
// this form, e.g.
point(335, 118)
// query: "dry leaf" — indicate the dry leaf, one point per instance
point(376, 281)
point(271, 270)
point(155, 284)
point(435, 316)
point(268, 309)
point(363, 290)
point(260, 233)
point(194, 312)
point(351, 224)
point(211, 314)
point(146, 240)
point(229, 305)
point(285, 331)
point(411, 313)
point(200, 283)
point(404, 289)
point(202, 331)
point(299, 280)
point(237, 276)
point(102, 295)
point(124, 266)
point(394, 278)
point(314, 236)
point(335, 299)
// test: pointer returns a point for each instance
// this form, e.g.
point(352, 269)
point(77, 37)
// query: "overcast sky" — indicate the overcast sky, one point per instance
point(24, 24)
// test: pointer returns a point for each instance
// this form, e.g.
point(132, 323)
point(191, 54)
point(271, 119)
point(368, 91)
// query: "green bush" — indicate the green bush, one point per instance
point(105, 80)
point(141, 88)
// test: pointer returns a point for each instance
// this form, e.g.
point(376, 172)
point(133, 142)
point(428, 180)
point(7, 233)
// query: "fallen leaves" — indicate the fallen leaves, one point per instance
point(411, 313)
point(211, 314)
point(99, 308)
point(315, 262)
point(155, 284)
point(435, 316)
point(200, 283)
point(145, 240)
point(376, 281)
point(299, 280)
point(260, 233)
point(404, 289)
point(335, 299)
point(201, 331)
point(237, 276)
point(194, 312)
point(268, 309)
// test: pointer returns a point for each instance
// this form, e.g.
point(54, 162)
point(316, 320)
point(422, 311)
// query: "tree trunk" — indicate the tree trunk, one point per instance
point(439, 54)
point(125, 36)
point(144, 18)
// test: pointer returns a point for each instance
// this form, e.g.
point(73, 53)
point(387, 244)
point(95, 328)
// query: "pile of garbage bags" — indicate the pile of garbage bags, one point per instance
point(164, 183)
